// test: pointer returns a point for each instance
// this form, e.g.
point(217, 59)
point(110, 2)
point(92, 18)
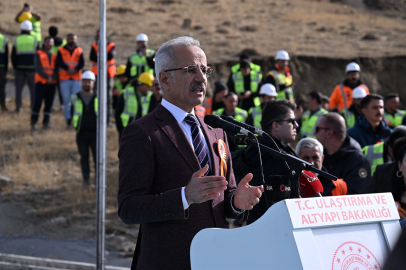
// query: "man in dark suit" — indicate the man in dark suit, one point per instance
point(170, 180)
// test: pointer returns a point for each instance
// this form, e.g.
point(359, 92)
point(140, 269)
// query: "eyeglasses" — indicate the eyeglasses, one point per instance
point(291, 121)
point(320, 128)
point(193, 69)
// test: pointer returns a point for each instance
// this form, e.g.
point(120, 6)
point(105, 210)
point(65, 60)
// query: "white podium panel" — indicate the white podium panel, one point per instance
point(342, 232)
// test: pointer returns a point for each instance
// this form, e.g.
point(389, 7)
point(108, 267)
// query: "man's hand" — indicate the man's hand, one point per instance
point(203, 188)
point(71, 71)
point(246, 196)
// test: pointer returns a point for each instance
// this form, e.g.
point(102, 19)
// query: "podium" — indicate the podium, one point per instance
point(338, 233)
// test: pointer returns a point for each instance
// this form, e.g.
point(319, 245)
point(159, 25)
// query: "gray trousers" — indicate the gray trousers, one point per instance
point(21, 76)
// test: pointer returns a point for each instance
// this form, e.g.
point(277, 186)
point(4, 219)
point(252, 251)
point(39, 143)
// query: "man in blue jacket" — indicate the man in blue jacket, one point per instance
point(371, 128)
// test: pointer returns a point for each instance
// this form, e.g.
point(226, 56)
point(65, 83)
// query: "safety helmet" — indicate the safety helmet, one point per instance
point(146, 78)
point(268, 90)
point(359, 92)
point(282, 55)
point(26, 26)
point(121, 70)
point(352, 67)
point(88, 75)
point(25, 16)
point(142, 37)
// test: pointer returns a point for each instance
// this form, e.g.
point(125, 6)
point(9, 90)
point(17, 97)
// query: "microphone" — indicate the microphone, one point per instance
point(216, 122)
point(310, 185)
point(277, 188)
point(243, 125)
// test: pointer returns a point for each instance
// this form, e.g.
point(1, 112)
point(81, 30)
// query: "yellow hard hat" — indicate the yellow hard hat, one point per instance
point(121, 70)
point(26, 16)
point(146, 78)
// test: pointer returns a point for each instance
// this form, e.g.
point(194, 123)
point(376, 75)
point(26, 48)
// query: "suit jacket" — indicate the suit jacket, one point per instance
point(156, 161)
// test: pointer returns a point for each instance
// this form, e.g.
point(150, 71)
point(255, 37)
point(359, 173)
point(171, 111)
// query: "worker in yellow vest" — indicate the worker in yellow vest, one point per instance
point(266, 93)
point(45, 81)
point(353, 113)
point(392, 115)
point(120, 83)
point(244, 83)
point(312, 116)
point(28, 13)
point(142, 60)
point(280, 77)
point(3, 71)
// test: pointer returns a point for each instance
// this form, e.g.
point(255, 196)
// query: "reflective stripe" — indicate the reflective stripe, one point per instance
point(345, 100)
point(396, 120)
point(130, 106)
point(309, 123)
point(374, 156)
point(137, 62)
point(256, 113)
point(349, 117)
point(3, 41)
point(145, 101)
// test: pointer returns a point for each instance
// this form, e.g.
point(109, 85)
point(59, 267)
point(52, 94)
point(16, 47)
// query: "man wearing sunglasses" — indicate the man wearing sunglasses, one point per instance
point(343, 156)
point(170, 179)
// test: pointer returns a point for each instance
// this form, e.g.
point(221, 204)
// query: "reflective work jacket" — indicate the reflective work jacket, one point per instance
point(253, 67)
point(131, 104)
point(71, 60)
point(238, 79)
point(78, 111)
point(200, 110)
point(137, 62)
point(36, 29)
point(26, 47)
point(394, 120)
point(239, 114)
point(3, 44)
point(374, 154)
point(349, 117)
point(49, 67)
point(341, 98)
point(111, 66)
point(283, 78)
point(256, 113)
point(120, 87)
point(55, 49)
point(309, 123)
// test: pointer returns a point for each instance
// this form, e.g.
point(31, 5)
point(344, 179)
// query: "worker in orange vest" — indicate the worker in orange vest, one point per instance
point(341, 98)
point(70, 62)
point(111, 66)
point(45, 81)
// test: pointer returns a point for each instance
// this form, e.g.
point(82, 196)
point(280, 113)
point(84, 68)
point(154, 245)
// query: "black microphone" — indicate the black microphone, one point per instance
point(216, 122)
point(243, 125)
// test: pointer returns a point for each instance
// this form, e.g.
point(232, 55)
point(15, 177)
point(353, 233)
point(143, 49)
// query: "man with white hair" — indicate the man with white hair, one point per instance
point(172, 180)
point(353, 113)
point(22, 57)
point(142, 60)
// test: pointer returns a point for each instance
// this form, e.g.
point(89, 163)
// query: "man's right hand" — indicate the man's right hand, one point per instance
point(203, 188)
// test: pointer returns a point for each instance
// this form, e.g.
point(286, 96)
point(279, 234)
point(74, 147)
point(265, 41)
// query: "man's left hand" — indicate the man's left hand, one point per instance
point(246, 196)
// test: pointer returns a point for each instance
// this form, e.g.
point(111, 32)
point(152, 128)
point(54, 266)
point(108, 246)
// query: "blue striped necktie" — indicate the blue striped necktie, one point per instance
point(198, 143)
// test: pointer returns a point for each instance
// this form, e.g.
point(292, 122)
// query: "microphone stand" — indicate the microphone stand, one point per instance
point(296, 162)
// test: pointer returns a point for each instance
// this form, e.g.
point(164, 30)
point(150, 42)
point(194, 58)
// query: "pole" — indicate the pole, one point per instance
point(101, 139)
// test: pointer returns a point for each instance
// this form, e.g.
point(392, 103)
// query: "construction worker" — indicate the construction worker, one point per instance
point(353, 113)
point(216, 102)
point(266, 93)
point(134, 102)
point(245, 83)
point(142, 60)
point(280, 77)
point(84, 116)
point(253, 66)
point(45, 81)
point(28, 13)
point(22, 57)
point(70, 62)
point(231, 109)
point(111, 66)
point(341, 98)
point(392, 115)
point(157, 95)
point(58, 42)
point(312, 116)
point(3, 71)
point(383, 152)
point(121, 82)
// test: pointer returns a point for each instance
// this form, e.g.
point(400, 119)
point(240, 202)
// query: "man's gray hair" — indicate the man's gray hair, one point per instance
point(308, 143)
point(165, 57)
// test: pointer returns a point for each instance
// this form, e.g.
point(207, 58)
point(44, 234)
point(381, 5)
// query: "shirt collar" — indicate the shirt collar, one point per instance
point(177, 112)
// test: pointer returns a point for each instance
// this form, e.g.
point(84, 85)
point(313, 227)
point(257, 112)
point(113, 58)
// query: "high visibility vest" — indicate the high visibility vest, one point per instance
point(56, 48)
point(49, 67)
point(239, 114)
point(238, 79)
point(130, 106)
point(26, 47)
point(309, 123)
point(374, 154)
point(36, 29)
point(145, 101)
point(200, 110)
point(396, 120)
point(111, 66)
point(78, 110)
point(256, 113)
point(281, 79)
point(208, 105)
point(3, 44)
point(137, 62)
point(341, 98)
point(349, 118)
point(120, 87)
point(71, 60)
point(254, 67)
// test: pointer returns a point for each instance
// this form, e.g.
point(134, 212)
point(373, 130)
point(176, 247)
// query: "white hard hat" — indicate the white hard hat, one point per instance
point(88, 75)
point(352, 67)
point(142, 37)
point(282, 55)
point(359, 92)
point(26, 26)
point(268, 90)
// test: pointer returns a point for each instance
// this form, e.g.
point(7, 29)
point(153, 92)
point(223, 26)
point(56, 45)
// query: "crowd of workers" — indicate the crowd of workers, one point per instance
point(352, 134)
